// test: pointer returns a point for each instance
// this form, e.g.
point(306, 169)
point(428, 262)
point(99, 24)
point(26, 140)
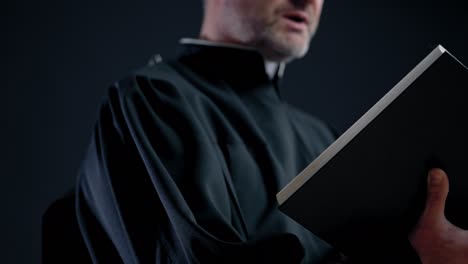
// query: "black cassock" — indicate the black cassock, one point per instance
point(185, 162)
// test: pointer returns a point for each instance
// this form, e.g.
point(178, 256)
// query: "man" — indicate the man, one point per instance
point(188, 155)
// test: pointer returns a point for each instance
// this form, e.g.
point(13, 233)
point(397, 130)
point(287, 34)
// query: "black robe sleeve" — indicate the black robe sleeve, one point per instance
point(150, 178)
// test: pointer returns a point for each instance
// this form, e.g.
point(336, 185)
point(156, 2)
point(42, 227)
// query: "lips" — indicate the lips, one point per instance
point(297, 17)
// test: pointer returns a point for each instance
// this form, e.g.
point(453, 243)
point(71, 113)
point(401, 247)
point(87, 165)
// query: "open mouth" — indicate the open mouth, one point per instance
point(297, 17)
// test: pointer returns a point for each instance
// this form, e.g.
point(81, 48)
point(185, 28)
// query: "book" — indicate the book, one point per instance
point(369, 186)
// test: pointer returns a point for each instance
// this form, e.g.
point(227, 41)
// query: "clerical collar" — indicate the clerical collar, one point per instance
point(274, 70)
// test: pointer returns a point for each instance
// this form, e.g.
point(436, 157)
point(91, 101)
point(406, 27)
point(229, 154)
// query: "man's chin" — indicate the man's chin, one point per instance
point(292, 44)
point(283, 47)
point(289, 51)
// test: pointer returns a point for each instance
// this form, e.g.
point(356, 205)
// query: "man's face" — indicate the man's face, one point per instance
point(280, 29)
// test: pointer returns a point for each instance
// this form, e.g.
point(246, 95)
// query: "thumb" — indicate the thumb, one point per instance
point(437, 191)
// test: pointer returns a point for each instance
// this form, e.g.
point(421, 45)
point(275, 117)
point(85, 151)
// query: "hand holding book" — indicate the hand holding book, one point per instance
point(434, 238)
point(367, 191)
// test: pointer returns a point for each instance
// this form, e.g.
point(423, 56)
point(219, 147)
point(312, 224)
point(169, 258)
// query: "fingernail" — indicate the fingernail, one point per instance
point(435, 178)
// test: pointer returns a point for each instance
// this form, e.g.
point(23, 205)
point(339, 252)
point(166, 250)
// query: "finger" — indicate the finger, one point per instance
point(437, 191)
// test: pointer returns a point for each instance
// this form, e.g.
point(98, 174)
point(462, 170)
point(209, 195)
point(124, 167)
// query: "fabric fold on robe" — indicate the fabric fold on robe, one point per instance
point(183, 168)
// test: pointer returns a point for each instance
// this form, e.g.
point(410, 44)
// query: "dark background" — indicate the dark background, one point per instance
point(62, 55)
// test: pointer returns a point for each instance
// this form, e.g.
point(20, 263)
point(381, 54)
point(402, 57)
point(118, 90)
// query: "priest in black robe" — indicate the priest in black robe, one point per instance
point(188, 154)
point(187, 158)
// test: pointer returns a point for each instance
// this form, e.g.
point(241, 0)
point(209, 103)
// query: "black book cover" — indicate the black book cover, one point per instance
point(365, 193)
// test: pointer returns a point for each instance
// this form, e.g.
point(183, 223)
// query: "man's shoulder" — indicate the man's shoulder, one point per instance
point(158, 71)
point(157, 77)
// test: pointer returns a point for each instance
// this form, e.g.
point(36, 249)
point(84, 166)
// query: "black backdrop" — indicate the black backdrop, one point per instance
point(62, 55)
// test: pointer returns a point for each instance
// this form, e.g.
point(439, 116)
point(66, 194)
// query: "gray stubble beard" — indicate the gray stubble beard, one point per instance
point(273, 48)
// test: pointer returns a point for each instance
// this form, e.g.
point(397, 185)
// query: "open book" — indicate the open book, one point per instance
point(369, 186)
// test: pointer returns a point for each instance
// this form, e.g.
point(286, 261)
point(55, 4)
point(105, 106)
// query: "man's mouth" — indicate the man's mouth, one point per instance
point(298, 17)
